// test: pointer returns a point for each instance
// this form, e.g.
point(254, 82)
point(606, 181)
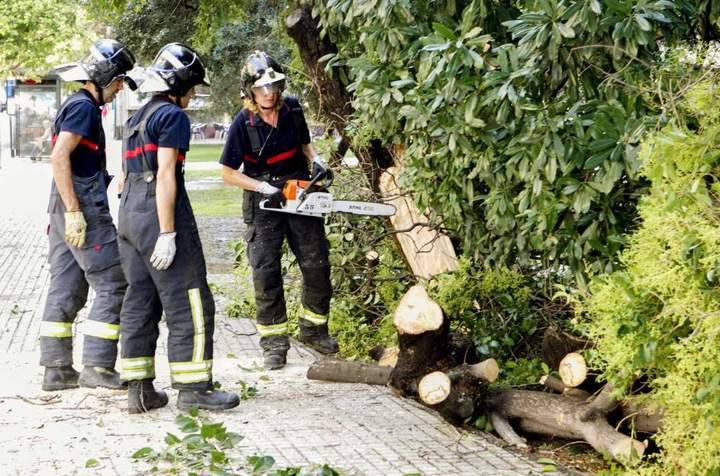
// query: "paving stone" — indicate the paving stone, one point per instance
point(361, 429)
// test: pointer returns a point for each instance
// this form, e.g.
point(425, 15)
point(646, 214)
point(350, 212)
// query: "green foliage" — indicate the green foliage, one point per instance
point(37, 35)
point(364, 296)
point(147, 25)
point(491, 305)
point(262, 465)
point(521, 119)
point(203, 450)
point(227, 36)
point(242, 302)
point(522, 371)
point(660, 316)
point(207, 448)
point(247, 391)
point(224, 32)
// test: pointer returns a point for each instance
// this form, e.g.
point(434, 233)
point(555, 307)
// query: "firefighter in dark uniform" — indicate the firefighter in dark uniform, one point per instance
point(160, 247)
point(83, 246)
point(269, 139)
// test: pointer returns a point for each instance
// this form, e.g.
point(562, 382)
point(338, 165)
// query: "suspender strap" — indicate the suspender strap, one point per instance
point(298, 118)
point(139, 130)
point(253, 134)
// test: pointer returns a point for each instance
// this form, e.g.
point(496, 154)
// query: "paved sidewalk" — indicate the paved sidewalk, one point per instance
point(356, 428)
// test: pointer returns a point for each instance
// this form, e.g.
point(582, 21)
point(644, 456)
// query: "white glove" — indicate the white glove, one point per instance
point(266, 189)
point(164, 252)
point(319, 167)
point(75, 227)
point(318, 160)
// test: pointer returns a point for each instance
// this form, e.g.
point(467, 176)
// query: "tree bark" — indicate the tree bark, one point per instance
point(555, 415)
point(557, 343)
point(349, 372)
point(422, 339)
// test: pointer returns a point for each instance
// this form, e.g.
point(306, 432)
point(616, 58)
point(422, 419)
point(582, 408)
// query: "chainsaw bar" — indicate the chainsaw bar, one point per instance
point(320, 204)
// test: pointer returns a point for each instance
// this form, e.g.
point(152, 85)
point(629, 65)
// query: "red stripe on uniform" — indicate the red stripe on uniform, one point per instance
point(248, 158)
point(84, 142)
point(181, 158)
point(281, 157)
point(131, 154)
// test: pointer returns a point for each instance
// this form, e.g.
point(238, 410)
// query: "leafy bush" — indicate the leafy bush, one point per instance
point(520, 119)
point(660, 316)
point(491, 305)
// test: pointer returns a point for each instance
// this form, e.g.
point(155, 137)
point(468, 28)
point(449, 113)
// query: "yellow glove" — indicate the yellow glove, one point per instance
point(75, 228)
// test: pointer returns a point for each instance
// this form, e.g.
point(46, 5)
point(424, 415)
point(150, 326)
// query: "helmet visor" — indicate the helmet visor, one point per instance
point(267, 89)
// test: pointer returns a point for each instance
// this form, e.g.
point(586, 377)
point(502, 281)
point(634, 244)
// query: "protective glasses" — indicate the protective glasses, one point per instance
point(267, 89)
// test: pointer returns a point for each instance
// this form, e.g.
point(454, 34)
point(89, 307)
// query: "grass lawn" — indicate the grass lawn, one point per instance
point(191, 175)
point(204, 153)
point(217, 202)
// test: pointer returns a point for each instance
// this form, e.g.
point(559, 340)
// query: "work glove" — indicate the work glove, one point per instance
point(75, 227)
point(164, 252)
point(319, 167)
point(274, 195)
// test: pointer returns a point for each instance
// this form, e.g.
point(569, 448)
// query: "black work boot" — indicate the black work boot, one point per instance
point(142, 397)
point(92, 377)
point(317, 337)
point(275, 349)
point(60, 378)
point(208, 399)
point(274, 359)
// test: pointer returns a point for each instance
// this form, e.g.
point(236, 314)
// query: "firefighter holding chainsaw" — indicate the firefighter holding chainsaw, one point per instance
point(270, 140)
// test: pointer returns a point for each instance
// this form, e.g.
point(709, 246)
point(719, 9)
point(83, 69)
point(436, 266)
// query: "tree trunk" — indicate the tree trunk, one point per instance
point(422, 339)
point(555, 415)
point(427, 253)
point(349, 372)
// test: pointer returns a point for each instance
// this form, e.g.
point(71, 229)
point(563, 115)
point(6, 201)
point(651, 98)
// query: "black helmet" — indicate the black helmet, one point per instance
point(178, 68)
point(261, 70)
point(108, 60)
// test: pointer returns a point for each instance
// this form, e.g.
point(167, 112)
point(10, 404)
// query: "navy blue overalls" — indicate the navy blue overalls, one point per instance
point(181, 290)
point(275, 155)
point(97, 263)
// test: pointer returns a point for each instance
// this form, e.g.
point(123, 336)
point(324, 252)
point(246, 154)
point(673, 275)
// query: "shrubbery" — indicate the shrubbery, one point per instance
point(492, 306)
point(660, 316)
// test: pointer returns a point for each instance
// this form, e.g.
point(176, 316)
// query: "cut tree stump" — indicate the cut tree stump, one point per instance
point(557, 343)
point(573, 369)
point(422, 339)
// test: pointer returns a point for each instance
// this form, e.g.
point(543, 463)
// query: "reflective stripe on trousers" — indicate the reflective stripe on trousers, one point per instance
point(73, 270)
point(306, 239)
point(181, 291)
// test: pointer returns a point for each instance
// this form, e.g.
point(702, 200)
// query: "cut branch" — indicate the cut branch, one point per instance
point(573, 369)
point(349, 372)
point(506, 431)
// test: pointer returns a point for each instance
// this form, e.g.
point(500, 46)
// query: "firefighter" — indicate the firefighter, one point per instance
point(83, 247)
point(270, 140)
point(160, 247)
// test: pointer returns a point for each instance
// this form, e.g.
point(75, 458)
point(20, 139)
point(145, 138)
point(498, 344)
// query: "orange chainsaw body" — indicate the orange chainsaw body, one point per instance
point(293, 187)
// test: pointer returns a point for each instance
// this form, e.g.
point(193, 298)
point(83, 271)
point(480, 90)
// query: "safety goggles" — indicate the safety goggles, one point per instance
point(267, 89)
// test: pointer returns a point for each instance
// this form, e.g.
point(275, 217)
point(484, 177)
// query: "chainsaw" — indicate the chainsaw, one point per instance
point(303, 197)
